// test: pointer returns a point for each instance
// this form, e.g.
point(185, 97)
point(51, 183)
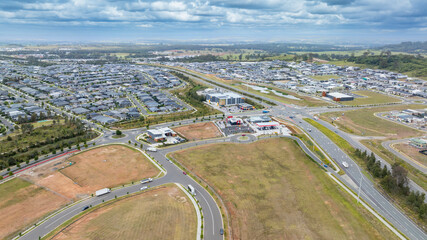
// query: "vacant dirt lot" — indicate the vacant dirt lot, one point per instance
point(98, 168)
point(273, 191)
point(199, 131)
point(164, 213)
point(22, 203)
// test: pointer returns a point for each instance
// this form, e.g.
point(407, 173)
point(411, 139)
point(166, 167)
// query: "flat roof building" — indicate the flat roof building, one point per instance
point(336, 96)
point(224, 99)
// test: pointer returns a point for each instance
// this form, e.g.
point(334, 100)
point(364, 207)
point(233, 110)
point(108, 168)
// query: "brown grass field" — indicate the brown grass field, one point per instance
point(273, 191)
point(412, 152)
point(164, 213)
point(199, 131)
point(94, 169)
point(22, 204)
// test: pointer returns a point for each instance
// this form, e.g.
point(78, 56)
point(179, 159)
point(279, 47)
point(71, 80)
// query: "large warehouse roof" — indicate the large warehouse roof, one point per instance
point(339, 95)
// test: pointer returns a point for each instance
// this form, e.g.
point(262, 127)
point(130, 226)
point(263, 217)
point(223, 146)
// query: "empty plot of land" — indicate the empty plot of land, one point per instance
point(364, 122)
point(98, 168)
point(370, 98)
point(22, 203)
point(199, 131)
point(324, 77)
point(164, 213)
point(273, 191)
point(412, 152)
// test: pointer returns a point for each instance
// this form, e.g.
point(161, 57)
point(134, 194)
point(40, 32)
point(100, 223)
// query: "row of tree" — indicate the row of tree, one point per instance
point(395, 182)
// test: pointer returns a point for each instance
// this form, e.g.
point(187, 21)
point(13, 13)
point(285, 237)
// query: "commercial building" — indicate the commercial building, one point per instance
point(161, 134)
point(267, 125)
point(336, 96)
point(224, 99)
point(259, 119)
point(418, 143)
point(245, 106)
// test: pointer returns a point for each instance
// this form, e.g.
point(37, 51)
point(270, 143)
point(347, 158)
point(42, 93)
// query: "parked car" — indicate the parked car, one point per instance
point(184, 173)
point(221, 231)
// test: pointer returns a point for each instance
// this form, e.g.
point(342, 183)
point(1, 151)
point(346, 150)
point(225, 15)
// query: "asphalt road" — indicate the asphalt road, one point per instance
point(387, 145)
point(367, 191)
point(212, 215)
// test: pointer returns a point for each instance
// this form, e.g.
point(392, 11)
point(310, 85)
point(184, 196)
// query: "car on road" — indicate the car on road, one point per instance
point(325, 165)
point(345, 164)
point(221, 231)
point(144, 188)
point(85, 208)
point(243, 135)
point(309, 130)
point(184, 173)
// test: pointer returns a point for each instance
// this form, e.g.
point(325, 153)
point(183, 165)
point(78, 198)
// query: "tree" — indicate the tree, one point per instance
point(400, 175)
point(118, 132)
point(27, 128)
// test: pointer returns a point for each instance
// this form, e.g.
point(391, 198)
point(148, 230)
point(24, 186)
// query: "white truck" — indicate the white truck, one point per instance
point(102, 192)
point(152, 149)
point(192, 190)
point(147, 180)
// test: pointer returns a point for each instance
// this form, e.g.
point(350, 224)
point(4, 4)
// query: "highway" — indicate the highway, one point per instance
point(368, 191)
point(212, 216)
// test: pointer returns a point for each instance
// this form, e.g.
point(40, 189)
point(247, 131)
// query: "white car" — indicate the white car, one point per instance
point(144, 188)
point(345, 164)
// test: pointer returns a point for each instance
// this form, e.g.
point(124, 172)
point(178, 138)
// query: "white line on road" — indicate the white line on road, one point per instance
point(213, 222)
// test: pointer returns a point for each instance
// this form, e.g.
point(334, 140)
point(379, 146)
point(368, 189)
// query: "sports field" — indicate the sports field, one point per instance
point(22, 204)
point(199, 131)
point(370, 97)
point(164, 213)
point(273, 191)
point(364, 122)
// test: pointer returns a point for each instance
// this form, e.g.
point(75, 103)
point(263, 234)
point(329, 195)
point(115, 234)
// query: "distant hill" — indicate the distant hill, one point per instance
point(408, 47)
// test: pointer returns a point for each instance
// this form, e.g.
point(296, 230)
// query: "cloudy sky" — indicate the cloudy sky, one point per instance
point(345, 21)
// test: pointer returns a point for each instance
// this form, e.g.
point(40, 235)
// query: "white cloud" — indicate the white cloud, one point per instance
point(145, 25)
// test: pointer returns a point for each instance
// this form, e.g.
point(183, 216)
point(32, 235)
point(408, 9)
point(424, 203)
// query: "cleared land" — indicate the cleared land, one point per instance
point(324, 77)
point(303, 100)
point(23, 203)
point(412, 152)
point(273, 191)
point(199, 131)
point(364, 122)
point(162, 213)
point(370, 98)
point(98, 168)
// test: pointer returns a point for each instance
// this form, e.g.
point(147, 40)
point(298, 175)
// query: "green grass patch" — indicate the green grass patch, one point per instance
point(370, 97)
point(363, 122)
